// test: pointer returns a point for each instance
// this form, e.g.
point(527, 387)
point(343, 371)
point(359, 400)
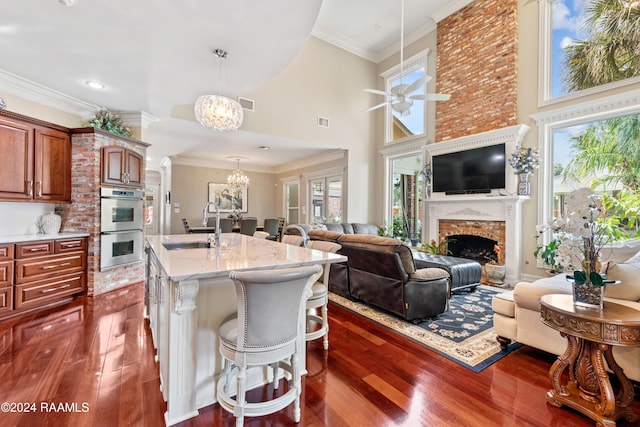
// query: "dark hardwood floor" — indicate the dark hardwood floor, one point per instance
point(91, 363)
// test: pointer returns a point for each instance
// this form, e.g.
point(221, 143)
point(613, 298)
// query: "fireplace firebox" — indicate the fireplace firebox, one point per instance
point(472, 247)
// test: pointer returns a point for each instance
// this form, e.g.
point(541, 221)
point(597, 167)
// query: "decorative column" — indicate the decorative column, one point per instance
point(182, 345)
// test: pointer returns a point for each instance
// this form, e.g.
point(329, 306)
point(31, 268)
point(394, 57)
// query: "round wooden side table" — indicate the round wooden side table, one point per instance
point(591, 334)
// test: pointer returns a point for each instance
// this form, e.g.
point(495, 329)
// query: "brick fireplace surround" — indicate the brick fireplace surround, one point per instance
point(496, 215)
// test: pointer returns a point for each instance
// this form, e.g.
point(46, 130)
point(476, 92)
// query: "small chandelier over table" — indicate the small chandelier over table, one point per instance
point(237, 181)
point(217, 111)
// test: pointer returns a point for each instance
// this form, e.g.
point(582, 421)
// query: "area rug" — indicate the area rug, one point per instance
point(463, 334)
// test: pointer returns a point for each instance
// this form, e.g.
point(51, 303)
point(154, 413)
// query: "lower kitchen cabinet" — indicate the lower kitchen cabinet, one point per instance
point(42, 274)
point(6, 300)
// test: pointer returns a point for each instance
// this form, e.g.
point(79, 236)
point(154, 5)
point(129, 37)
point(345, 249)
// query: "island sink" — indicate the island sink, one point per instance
point(172, 246)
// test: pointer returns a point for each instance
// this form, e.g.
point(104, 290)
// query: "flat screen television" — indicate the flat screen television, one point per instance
point(478, 170)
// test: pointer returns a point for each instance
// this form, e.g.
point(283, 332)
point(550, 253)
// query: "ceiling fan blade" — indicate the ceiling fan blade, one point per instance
point(374, 107)
point(432, 97)
point(378, 92)
point(415, 85)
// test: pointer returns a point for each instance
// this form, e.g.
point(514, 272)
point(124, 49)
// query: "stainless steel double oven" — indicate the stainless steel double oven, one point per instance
point(121, 237)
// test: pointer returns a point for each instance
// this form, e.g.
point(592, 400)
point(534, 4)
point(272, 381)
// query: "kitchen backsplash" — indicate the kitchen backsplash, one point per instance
point(20, 218)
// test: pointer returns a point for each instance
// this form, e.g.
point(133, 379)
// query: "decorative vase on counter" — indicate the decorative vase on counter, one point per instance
point(51, 223)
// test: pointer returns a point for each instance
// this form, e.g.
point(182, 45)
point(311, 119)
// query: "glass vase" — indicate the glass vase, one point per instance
point(587, 295)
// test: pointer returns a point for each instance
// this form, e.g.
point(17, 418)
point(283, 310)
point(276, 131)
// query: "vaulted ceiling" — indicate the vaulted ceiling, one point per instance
point(154, 56)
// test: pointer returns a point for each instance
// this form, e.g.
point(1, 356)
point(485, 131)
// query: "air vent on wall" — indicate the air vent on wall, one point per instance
point(323, 122)
point(246, 104)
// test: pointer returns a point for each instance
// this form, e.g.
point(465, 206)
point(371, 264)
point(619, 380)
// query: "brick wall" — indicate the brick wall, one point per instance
point(477, 65)
point(83, 214)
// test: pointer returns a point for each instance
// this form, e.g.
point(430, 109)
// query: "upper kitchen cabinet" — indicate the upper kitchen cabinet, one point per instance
point(36, 160)
point(121, 166)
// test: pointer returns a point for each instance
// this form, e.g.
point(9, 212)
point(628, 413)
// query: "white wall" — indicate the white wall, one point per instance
point(326, 81)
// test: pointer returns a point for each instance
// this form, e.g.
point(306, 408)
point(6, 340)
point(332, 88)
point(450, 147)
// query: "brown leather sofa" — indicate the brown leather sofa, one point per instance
point(381, 271)
point(344, 228)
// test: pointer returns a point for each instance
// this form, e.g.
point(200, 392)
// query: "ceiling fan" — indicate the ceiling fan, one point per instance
point(401, 97)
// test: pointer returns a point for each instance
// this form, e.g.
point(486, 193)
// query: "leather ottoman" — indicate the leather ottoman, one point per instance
point(464, 273)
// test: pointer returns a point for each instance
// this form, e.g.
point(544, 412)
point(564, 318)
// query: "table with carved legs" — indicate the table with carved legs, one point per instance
point(591, 335)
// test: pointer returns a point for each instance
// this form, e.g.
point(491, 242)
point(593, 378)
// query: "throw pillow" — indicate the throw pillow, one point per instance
point(629, 276)
point(635, 258)
point(620, 251)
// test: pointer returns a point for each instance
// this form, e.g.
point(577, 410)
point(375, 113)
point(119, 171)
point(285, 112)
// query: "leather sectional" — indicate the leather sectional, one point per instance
point(381, 271)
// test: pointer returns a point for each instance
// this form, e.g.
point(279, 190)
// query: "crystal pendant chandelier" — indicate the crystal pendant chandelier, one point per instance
point(237, 181)
point(217, 111)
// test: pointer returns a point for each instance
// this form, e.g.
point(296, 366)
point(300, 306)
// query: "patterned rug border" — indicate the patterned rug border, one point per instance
point(475, 353)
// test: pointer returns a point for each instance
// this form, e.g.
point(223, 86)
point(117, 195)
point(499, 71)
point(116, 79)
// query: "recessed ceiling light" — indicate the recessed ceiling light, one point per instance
point(264, 147)
point(94, 85)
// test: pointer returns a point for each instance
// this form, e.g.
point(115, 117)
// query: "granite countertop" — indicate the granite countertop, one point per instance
point(18, 238)
point(236, 252)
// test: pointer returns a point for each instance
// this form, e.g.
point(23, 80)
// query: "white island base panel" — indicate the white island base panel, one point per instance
point(186, 310)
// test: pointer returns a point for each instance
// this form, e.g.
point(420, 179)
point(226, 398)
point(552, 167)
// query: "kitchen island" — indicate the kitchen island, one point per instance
point(189, 295)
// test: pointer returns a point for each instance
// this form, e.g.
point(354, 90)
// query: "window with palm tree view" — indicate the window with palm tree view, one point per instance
point(594, 43)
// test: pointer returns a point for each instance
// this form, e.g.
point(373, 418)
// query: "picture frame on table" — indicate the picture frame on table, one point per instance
point(221, 195)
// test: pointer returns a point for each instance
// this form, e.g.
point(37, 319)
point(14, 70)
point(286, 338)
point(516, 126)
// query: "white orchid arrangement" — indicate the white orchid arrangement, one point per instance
point(579, 236)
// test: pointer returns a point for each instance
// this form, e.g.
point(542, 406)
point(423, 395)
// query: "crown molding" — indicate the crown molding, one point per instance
point(450, 8)
point(511, 135)
point(344, 43)
point(361, 50)
point(35, 92)
point(585, 111)
point(137, 118)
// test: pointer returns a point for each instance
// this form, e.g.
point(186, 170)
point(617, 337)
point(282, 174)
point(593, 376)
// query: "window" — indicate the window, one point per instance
point(326, 200)
point(404, 193)
point(406, 203)
point(292, 202)
point(595, 150)
point(589, 46)
point(413, 121)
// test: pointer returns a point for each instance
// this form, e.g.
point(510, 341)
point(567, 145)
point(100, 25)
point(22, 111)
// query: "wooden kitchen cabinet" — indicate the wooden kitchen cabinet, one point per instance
point(121, 166)
point(36, 160)
point(6, 278)
point(43, 274)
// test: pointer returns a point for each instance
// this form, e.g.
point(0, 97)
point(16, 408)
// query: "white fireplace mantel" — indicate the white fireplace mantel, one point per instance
point(499, 205)
point(483, 208)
